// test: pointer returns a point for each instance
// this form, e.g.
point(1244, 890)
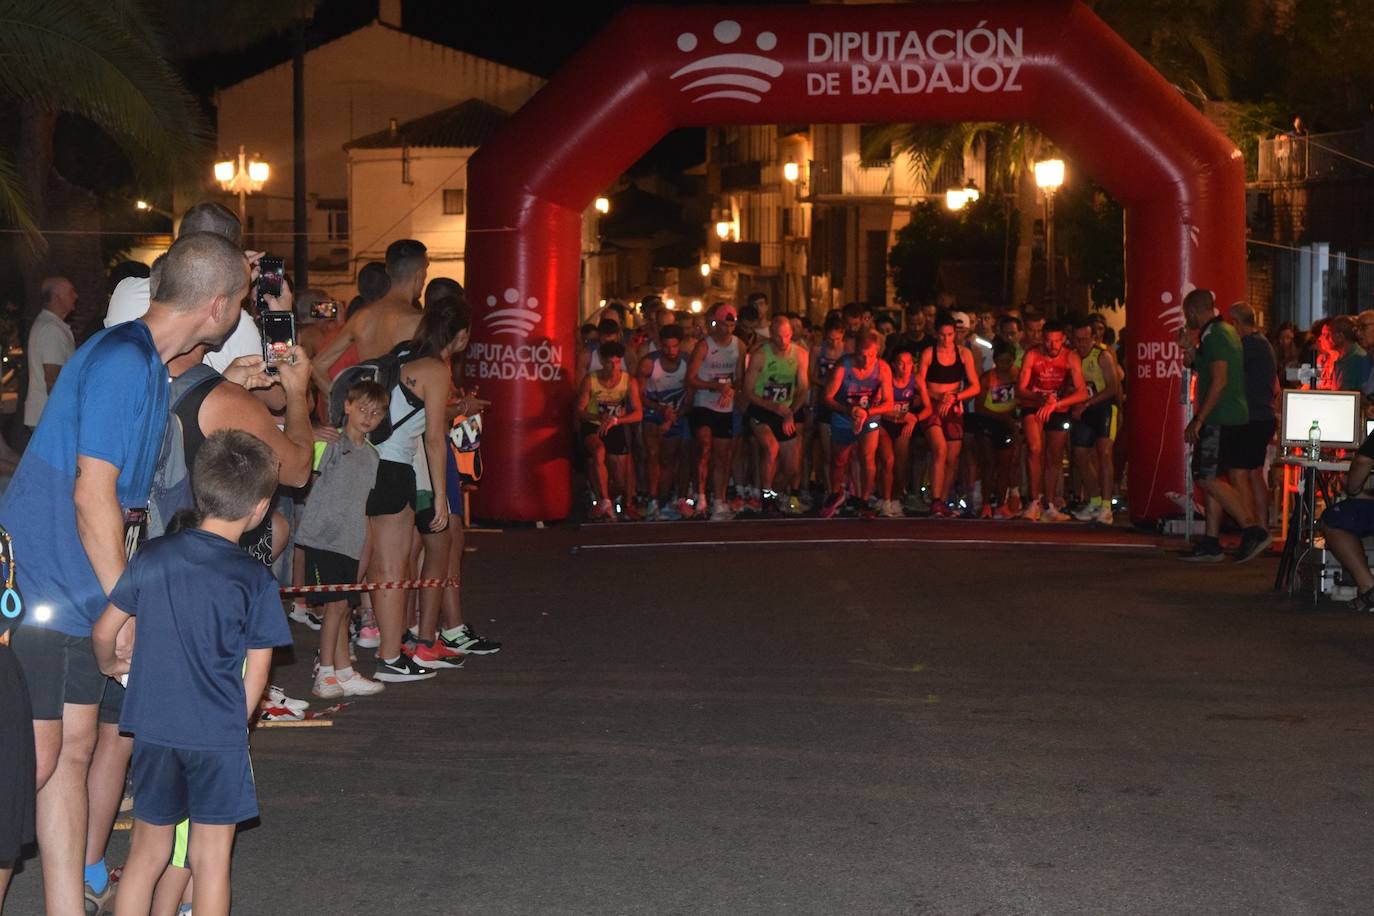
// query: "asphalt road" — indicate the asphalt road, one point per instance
point(1073, 723)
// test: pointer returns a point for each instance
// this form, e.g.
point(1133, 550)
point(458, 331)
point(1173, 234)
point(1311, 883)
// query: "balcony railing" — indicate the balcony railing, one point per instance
point(763, 255)
point(1315, 157)
point(886, 178)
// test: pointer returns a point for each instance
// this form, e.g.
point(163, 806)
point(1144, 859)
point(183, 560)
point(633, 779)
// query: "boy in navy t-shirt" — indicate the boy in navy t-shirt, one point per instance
point(208, 618)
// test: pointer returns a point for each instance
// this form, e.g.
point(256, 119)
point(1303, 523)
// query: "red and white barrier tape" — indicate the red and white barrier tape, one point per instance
point(369, 586)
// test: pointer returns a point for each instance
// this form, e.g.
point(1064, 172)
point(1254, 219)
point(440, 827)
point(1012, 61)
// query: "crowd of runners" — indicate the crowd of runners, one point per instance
point(990, 414)
point(177, 479)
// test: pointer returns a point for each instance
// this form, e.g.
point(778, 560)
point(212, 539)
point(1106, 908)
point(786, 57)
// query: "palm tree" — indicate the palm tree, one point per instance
point(1173, 35)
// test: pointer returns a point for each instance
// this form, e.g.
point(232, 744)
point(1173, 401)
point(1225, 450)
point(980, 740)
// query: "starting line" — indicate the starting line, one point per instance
point(816, 542)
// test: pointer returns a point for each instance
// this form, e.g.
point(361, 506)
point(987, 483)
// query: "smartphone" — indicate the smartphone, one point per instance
point(278, 337)
point(271, 278)
point(325, 310)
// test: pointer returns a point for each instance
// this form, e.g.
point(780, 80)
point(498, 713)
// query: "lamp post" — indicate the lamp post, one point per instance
point(242, 178)
point(1049, 176)
point(144, 207)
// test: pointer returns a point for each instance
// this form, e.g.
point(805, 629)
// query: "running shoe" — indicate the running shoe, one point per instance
point(272, 712)
point(832, 504)
point(469, 643)
point(438, 656)
point(631, 513)
point(101, 903)
point(369, 638)
point(913, 503)
point(359, 686)
point(892, 509)
point(1253, 542)
point(651, 512)
point(602, 512)
point(1014, 502)
point(301, 615)
point(754, 503)
point(735, 504)
point(1204, 550)
point(1104, 515)
point(327, 687)
point(1032, 513)
point(986, 511)
point(669, 513)
point(403, 670)
point(275, 696)
point(790, 505)
point(940, 509)
point(1086, 512)
point(721, 512)
point(1053, 514)
point(1004, 512)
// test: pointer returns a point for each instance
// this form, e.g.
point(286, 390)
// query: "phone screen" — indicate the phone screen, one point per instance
point(271, 278)
point(278, 337)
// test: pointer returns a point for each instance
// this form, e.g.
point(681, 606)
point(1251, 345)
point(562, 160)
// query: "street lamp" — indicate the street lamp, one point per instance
point(706, 270)
point(723, 230)
point(144, 207)
point(956, 198)
point(603, 205)
point(242, 178)
point(791, 171)
point(1049, 176)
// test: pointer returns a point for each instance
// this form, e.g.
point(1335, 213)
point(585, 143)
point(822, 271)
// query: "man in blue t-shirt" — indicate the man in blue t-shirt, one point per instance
point(69, 510)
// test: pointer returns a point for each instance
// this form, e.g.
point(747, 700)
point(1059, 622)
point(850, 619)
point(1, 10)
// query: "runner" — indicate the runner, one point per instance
point(714, 374)
point(894, 442)
point(606, 404)
point(663, 384)
point(859, 395)
point(824, 357)
point(1095, 423)
point(775, 388)
point(945, 379)
point(993, 424)
point(1051, 382)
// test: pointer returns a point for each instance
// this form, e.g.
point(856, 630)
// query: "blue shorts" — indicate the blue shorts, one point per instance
point(842, 431)
point(209, 787)
point(1353, 515)
point(679, 429)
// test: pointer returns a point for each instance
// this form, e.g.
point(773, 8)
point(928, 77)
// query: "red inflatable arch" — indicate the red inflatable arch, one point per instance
point(1052, 64)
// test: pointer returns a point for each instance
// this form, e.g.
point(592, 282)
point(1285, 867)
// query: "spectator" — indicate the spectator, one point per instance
point(1351, 369)
point(1217, 430)
point(1261, 396)
point(1348, 522)
point(90, 462)
point(1364, 334)
point(51, 344)
point(334, 530)
point(208, 619)
point(389, 320)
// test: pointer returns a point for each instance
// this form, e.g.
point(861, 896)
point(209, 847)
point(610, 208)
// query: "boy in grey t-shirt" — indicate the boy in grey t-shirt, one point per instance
point(333, 533)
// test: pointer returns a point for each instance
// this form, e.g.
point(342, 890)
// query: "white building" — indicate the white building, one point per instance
point(356, 88)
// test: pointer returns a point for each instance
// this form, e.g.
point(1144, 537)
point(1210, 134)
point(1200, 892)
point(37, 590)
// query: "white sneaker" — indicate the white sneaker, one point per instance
point(275, 696)
point(892, 509)
point(720, 512)
point(1085, 512)
point(359, 686)
point(303, 616)
point(1104, 515)
point(327, 687)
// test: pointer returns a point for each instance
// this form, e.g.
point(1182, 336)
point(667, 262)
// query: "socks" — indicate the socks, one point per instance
point(454, 633)
point(97, 877)
point(326, 670)
point(392, 661)
point(344, 674)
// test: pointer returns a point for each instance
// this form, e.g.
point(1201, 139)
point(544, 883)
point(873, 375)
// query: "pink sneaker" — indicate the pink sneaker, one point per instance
point(369, 638)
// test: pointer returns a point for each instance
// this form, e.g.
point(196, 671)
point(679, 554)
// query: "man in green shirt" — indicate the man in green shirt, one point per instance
point(1352, 363)
point(1217, 430)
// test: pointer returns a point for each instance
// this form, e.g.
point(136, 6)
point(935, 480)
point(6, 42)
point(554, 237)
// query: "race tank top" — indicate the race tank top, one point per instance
point(718, 366)
point(1050, 376)
point(857, 390)
point(902, 396)
point(608, 400)
point(1093, 375)
point(1001, 398)
point(664, 386)
point(777, 380)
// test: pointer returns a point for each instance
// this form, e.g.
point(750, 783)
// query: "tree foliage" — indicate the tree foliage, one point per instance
point(936, 234)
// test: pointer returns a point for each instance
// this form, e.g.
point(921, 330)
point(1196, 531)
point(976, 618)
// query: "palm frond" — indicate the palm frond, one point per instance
point(14, 209)
point(216, 26)
point(83, 57)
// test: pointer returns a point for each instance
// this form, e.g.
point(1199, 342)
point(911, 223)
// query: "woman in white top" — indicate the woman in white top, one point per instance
point(419, 418)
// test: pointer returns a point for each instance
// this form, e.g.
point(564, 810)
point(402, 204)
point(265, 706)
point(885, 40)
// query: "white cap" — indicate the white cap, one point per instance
point(129, 301)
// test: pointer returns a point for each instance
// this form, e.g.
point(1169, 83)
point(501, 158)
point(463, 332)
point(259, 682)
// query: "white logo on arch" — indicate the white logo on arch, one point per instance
point(515, 319)
point(729, 73)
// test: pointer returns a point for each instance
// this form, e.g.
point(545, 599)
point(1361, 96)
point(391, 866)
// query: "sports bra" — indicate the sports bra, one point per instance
point(940, 374)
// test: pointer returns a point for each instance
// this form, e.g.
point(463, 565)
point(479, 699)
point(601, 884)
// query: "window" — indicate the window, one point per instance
point(873, 151)
point(335, 210)
point(453, 201)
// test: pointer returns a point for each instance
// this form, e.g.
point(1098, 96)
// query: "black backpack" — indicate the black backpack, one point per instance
point(385, 370)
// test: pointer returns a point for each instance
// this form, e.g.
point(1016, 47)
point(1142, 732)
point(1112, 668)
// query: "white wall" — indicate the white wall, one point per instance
point(354, 86)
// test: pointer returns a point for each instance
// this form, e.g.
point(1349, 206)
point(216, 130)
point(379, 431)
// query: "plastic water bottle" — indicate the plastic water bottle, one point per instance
point(1314, 441)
